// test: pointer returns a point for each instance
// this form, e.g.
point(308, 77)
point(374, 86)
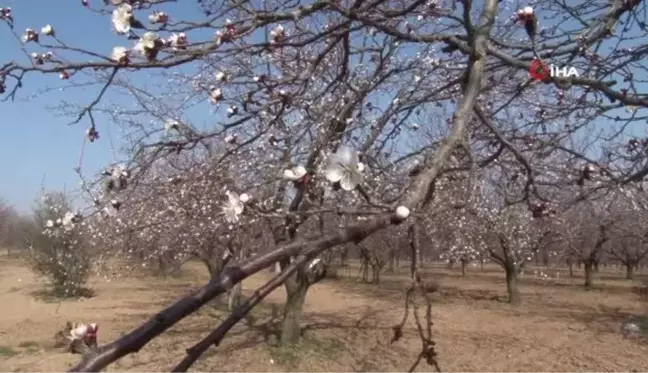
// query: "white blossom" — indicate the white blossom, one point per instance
point(178, 41)
point(158, 17)
point(171, 124)
point(215, 95)
point(119, 171)
point(69, 219)
point(402, 212)
point(48, 30)
point(221, 76)
point(232, 110)
point(294, 173)
point(122, 17)
point(527, 10)
point(79, 332)
point(146, 43)
point(119, 55)
point(345, 167)
point(233, 208)
point(30, 35)
point(278, 34)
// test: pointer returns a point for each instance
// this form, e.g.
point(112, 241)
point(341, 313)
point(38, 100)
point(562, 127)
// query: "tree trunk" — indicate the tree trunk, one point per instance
point(296, 289)
point(589, 273)
point(375, 274)
point(392, 261)
point(364, 267)
point(596, 266)
point(630, 271)
point(214, 267)
point(512, 285)
point(571, 269)
point(545, 258)
point(464, 263)
point(450, 263)
point(344, 257)
point(234, 297)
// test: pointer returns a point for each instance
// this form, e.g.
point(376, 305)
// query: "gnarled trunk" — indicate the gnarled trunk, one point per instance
point(512, 285)
point(296, 289)
point(234, 297)
point(344, 257)
point(589, 273)
point(570, 265)
point(630, 271)
point(375, 273)
point(464, 263)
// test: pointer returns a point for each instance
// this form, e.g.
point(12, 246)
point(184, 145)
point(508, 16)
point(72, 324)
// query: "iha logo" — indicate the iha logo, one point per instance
point(540, 71)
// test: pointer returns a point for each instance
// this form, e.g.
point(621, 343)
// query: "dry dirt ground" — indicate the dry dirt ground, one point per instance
point(559, 327)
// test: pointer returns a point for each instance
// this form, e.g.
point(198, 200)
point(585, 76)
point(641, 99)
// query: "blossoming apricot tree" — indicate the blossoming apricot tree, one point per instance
point(318, 107)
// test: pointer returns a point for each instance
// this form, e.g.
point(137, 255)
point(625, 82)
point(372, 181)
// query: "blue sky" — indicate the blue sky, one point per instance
point(37, 146)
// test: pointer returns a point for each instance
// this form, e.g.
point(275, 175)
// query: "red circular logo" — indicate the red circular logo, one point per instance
point(538, 70)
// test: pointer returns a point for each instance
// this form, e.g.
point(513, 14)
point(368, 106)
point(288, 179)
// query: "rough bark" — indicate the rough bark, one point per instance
point(512, 285)
point(630, 271)
point(234, 297)
point(375, 273)
point(589, 273)
point(296, 289)
point(344, 257)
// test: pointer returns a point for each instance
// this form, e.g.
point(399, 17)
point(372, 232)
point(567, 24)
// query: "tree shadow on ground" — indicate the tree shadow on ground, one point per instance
point(264, 329)
point(49, 295)
point(361, 318)
point(600, 320)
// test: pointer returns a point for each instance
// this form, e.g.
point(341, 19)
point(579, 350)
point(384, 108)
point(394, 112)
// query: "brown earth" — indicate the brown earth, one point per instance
point(348, 325)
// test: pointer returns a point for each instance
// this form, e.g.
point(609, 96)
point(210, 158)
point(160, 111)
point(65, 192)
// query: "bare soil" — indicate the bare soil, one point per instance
point(347, 324)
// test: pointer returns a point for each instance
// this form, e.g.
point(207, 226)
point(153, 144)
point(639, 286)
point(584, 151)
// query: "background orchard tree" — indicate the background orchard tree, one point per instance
point(449, 223)
point(380, 250)
point(509, 233)
point(628, 235)
point(587, 232)
point(296, 89)
point(58, 250)
point(8, 221)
